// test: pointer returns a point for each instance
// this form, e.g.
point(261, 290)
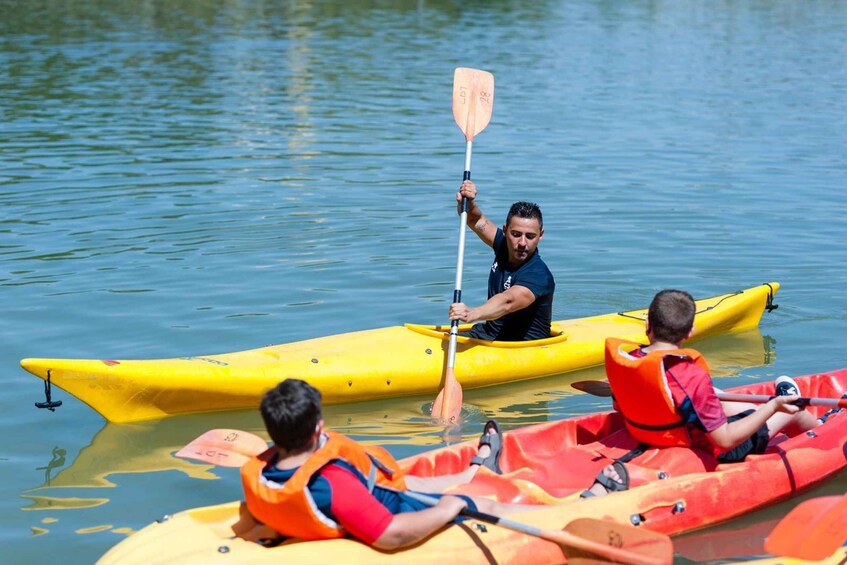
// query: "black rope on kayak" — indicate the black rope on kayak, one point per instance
point(632, 453)
point(769, 305)
point(706, 309)
point(50, 404)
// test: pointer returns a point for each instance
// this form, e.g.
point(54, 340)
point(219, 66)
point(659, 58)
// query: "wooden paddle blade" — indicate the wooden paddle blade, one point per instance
point(224, 447)
point(638, 544)
point(448, 404)
point(813, 530)
point(595, 388)
point(473, 100)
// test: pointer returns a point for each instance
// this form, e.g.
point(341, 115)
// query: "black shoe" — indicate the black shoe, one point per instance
point(831, 411)
point(785, 386)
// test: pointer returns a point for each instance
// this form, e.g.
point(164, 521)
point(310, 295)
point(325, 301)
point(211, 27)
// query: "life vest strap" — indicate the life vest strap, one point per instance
point(656, 428)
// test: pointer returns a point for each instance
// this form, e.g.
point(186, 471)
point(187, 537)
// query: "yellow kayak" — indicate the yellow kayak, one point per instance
point(364, 365)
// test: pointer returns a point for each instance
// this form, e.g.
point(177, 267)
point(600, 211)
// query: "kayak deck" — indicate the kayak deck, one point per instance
point(673, 490)
point(365, 365)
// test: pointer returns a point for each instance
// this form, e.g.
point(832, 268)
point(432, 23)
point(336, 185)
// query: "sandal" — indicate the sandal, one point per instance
point(495, 442)
point(609, 483)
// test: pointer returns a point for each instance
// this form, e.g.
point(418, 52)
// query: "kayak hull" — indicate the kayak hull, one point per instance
point(364, 365)
point(674, 490)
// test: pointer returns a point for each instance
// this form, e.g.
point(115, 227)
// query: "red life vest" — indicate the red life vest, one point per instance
point(641, 389)
point(289, 508)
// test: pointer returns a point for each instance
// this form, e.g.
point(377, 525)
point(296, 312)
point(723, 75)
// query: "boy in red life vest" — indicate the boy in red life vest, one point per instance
point(317, 484)
point(667, 397)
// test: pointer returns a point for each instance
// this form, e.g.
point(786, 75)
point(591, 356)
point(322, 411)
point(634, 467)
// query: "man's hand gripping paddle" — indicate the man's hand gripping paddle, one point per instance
point(584, 540)
point(473, 101)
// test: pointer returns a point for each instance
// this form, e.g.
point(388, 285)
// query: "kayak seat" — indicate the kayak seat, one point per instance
point(557, 335)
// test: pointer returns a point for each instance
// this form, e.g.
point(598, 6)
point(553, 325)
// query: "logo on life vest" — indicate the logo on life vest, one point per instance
point(494, 267)
point(508, 283)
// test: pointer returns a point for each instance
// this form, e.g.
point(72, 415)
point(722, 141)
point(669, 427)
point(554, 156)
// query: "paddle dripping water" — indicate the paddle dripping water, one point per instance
point(473, 102)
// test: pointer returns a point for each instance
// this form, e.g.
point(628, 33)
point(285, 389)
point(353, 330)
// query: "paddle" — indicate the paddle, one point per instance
point(612, 541)
point(224, 447)
point(615, 542)
point(813, 530)
point(473, 100)
point(602, 388)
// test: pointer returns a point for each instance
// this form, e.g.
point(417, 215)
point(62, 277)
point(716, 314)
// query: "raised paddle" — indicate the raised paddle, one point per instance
point(473, 101)
point(611, 541)
point(602, 388)
point(813, 530)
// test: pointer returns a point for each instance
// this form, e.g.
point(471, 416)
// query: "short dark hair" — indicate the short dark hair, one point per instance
point(528, 210)
point(671, 315)
point(291, 411)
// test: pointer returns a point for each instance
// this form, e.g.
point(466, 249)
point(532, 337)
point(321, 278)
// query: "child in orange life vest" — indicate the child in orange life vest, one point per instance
point(667, 397)
point(317, 484)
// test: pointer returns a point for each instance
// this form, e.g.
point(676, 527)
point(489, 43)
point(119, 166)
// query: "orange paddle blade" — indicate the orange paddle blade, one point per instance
point(585, 539)
point(223, 447)
point(448, 404)
point(813, 530)
point(473, 100)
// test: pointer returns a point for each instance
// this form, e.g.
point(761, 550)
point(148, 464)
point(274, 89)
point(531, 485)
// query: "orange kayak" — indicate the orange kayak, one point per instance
point(673, 490)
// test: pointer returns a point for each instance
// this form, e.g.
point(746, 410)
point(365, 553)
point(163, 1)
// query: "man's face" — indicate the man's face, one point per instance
point(522, 237)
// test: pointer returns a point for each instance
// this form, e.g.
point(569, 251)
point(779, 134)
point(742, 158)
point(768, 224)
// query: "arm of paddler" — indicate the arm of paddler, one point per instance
point(731, 434)
point(512, 300)
point(408, 528)
point(484, 228)
point(364, 517)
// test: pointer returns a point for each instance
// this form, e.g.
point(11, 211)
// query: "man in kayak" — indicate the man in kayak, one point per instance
point(667, 397)
point(317, 484)
point(520, 286)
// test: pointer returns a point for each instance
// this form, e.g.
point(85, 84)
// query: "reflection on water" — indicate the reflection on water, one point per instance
point(61, 503)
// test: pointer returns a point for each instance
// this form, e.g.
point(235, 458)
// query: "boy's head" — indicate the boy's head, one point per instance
point(291, 411)
point(671, 316)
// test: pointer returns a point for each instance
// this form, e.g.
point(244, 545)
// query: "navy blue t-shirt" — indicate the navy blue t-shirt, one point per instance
point(532, 322)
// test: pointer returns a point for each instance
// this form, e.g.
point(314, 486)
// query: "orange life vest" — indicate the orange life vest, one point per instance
point(289, 508)
point(641, 389)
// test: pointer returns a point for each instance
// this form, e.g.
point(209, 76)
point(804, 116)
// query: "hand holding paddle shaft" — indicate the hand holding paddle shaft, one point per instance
point(473, 101)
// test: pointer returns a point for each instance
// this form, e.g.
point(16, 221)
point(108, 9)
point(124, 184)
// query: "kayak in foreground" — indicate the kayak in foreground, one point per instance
point(673, 490)
point(364, 365)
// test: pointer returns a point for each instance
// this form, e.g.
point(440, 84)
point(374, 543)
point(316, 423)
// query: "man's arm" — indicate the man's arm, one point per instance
point(516, 298)
point(731, 434)
point(481, 226)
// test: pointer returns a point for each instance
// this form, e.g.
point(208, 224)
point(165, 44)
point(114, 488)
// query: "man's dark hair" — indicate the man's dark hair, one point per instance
point(528, 210)
point(671, 315)
point(291, 411)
